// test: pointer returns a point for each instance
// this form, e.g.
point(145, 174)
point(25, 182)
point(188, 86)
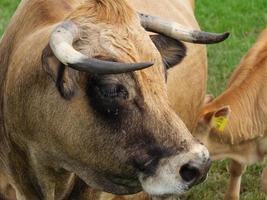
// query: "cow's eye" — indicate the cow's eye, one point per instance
point(108, 97)
point(113, 91)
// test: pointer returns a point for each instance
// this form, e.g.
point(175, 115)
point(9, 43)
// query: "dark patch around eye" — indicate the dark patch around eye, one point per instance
point(113, 91)
point(107, 97)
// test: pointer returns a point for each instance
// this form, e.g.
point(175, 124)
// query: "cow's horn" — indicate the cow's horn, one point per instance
point(61, 41)
point(179, 32)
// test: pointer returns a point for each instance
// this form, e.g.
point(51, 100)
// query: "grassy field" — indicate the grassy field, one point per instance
point(7, 7)
point(245, 19)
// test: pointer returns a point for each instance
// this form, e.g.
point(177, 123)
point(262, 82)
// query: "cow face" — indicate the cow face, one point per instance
point(117, 132)
point(211, 128)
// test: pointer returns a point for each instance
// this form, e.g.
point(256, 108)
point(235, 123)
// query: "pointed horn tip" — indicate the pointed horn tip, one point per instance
point(147, 64)
point(209, 38)
point(137, 66)
point(220, 37)
point(142, 65)
point(225, 35)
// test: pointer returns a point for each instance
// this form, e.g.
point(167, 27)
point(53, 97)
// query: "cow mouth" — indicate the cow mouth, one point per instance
point(107, 182)
point(131, 184)
point(113, 184)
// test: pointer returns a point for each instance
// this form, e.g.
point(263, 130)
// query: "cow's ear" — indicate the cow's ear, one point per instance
point(171, 50)
point(64, 77)
point(216, 120)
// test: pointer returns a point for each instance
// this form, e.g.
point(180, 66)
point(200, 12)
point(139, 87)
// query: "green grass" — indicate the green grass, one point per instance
point(245, 19)
point(7, 7)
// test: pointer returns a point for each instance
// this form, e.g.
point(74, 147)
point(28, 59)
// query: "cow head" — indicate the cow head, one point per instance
point(212, 128)
point(114, 125)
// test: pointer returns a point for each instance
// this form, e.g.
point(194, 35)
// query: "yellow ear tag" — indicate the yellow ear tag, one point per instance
point(220, 123)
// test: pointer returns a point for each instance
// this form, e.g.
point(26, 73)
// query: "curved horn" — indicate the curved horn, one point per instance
point(61, 41)
point(179, 32)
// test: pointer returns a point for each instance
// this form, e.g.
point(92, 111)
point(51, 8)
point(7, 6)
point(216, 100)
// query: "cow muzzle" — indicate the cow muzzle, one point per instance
point(176, 174)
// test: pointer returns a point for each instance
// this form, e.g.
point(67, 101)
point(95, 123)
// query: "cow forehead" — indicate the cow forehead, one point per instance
point(125, 44)
point(114, 28)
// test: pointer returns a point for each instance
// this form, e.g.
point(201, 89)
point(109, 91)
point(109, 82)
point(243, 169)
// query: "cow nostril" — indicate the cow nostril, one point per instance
point(189, 173)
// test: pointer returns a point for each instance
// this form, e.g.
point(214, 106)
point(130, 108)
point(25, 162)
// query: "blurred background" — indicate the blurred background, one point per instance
point(245, 19)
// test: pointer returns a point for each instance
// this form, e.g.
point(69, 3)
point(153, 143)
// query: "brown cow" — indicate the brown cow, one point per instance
point(186, 96)
point(88, 110)
point(234, 124)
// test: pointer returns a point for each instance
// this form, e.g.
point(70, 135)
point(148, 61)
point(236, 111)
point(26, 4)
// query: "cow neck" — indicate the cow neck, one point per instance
point(253, 61)
point(244, 120)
